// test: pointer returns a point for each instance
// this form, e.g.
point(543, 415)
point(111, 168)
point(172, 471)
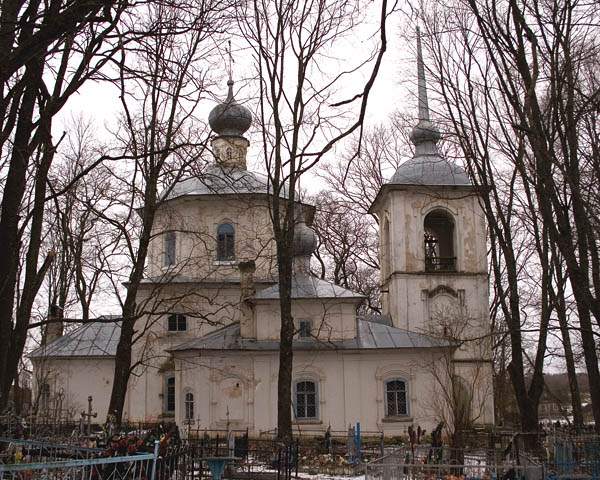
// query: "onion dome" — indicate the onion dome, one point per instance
point(424, 131)
point(304, 244)
point(230, 118)
point(305, 240)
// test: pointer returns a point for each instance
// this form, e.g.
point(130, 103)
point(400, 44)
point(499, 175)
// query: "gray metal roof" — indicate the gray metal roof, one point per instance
point(371, 336)
point(94, 339)
point(220, 180)
point(378, 335)
point(308, 286)
point(430, 169)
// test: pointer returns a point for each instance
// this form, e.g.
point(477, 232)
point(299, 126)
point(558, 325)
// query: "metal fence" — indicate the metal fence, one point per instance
point(32, 460)
point(188, 460)
point(409, 471)
point(254, 458)
point(12, 449)
point(565, 457)
point(575, 457)
point(134, 467)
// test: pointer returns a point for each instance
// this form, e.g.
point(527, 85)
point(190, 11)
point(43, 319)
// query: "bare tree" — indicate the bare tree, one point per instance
point(161, 84)
point(347, 248)
point(511, 80)
point(460, 396)
point(74, 230)
point(48, 50)
point(300, 122)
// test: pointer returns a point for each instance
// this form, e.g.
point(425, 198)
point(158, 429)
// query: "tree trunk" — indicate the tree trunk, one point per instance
point(286, 353)
point(10, 242)
point(122, 371)
point(561, 313)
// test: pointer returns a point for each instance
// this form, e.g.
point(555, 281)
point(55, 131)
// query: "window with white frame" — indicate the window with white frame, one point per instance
point(396, 398)
point(170, 394)
point(306, 400)
point(189, 406)
point(177, 322)
point(170, 249)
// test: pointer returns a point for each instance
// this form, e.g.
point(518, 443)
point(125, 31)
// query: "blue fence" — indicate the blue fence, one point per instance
point(31, 460)
point(575, 458)
point(41, 451)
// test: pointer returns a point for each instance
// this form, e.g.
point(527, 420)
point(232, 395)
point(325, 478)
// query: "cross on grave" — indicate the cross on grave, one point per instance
point(87, 417)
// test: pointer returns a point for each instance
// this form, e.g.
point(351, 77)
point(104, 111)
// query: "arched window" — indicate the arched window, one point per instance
point(307, 400)
point(170, 394)
point(225, 242)
point(439, 242)
point(189, 406)
point(177, 322)
point(396, 399)
point(170, 249)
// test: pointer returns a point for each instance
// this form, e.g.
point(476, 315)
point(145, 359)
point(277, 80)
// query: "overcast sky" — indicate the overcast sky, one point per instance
point(395, 87)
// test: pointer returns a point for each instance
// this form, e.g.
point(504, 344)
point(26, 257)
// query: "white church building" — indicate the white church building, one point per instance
point(208, 352)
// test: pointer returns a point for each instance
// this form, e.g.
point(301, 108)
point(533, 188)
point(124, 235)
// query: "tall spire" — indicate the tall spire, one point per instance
point(423, 104)
point(424, 135)
point(427, 167)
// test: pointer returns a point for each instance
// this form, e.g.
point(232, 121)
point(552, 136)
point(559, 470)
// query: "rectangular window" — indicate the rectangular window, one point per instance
point(189, 406)
point(177, 322)
point(170, 400)
point(170, 249)
point(304, 328)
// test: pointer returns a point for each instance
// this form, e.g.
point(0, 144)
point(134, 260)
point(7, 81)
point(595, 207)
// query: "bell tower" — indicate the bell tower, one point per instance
point(434, 277)
point(432, 236)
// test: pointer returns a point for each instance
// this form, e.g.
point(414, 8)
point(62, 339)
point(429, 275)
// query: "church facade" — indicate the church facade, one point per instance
point(208, 355)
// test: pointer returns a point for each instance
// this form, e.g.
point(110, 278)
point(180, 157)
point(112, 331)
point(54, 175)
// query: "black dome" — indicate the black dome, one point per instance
point(229, 117)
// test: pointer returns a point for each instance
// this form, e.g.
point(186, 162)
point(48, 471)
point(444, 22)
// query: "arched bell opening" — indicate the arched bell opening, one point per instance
point(439, 242)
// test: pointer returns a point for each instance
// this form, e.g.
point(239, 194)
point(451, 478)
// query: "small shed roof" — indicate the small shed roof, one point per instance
point(93, 339)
